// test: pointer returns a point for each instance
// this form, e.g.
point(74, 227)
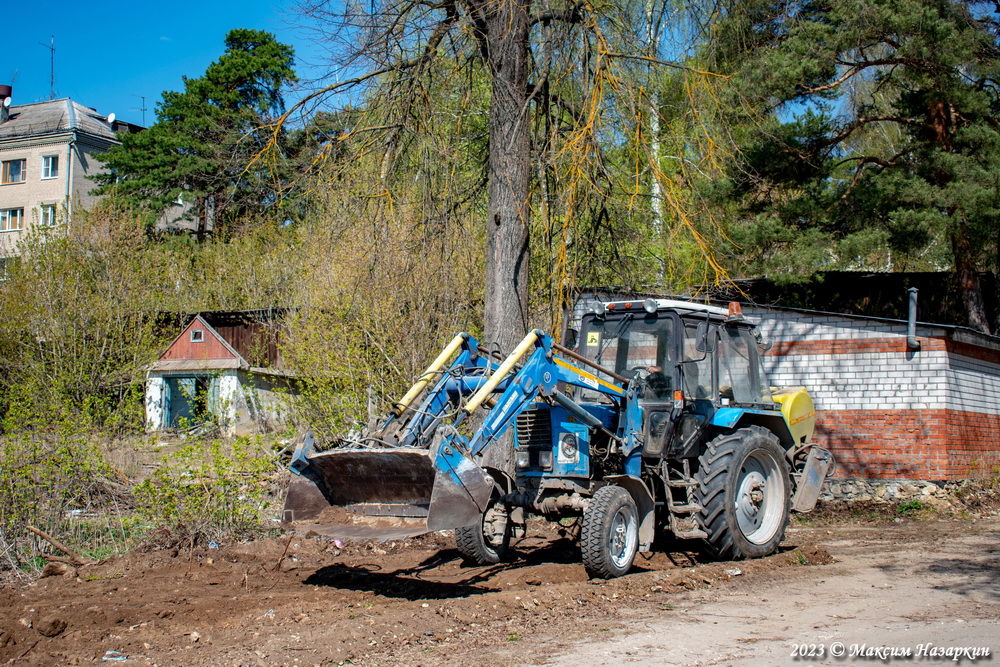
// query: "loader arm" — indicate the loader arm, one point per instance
point(417, 468)
point(539, 377)
point(414, 425)
point(462, 488)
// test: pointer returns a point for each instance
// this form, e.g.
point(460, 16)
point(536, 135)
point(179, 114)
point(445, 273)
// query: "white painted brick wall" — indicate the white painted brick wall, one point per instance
point(921, 380)
point(865, 380)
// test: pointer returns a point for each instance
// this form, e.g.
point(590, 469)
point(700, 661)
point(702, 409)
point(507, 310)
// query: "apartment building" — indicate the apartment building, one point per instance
point(47, 150)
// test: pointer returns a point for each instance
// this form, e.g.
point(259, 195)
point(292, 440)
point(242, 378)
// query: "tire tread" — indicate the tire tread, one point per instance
point(715, 464)
point(593, 538)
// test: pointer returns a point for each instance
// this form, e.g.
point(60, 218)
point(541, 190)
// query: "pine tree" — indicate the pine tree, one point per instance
point(204, 144)
point(884, 138)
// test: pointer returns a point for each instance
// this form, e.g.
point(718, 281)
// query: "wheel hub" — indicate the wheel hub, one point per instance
point(756, 511)
point(621, 538)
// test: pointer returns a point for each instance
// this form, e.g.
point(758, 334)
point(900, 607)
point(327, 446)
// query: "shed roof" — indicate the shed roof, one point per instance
point(168, 365)
point(210, 352)
point(957, 332)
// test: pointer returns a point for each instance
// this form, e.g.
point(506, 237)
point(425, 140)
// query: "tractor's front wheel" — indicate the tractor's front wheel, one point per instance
point(744, 489)
point(609, 537)
point(487, 542)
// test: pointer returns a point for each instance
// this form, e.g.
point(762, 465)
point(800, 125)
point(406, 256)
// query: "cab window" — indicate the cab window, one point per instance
point(741, 374)
point(699, 366)
point(634, 344)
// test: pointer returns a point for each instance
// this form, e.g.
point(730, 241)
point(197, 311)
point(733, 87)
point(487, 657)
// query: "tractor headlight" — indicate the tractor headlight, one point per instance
point(567, 446)
point(545, 459)
point(522, 459)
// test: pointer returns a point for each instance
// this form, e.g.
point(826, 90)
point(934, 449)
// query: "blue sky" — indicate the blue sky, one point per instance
point(109, 54)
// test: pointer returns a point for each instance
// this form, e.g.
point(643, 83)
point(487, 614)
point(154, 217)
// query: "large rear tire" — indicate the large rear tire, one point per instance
point(744, 489)
point(487, 542)
point(609, 537)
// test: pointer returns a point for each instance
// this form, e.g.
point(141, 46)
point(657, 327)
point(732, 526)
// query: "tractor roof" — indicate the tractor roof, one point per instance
point(665, 304)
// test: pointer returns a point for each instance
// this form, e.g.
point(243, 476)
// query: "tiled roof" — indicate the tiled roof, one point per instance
point(65, 115)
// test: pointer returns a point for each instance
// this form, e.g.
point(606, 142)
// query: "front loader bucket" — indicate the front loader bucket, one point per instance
point(461, 490)
point(388, 493)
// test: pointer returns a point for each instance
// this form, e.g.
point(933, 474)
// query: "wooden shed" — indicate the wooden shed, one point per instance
point(223, 368)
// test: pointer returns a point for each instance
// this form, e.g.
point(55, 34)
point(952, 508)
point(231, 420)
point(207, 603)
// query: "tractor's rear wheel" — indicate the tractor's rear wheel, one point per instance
point(744, 489)
point(609, 537)
point(487, 542)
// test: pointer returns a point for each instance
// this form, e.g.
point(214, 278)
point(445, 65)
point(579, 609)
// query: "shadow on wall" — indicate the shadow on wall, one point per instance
point(873, 444)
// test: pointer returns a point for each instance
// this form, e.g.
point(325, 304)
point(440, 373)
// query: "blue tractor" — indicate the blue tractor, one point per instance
point(661, 419)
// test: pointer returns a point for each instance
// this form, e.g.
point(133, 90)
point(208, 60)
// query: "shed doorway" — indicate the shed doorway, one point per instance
point(190, 400)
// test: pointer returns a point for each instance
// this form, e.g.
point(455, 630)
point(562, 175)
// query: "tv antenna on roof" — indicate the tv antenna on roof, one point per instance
point(52, 67)
point(142, 108)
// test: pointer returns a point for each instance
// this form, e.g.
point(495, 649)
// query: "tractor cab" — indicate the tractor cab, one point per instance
point(685, 361)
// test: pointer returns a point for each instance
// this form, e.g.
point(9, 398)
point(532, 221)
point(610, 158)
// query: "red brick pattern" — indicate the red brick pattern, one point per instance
point(895, 345)
point(911, 444)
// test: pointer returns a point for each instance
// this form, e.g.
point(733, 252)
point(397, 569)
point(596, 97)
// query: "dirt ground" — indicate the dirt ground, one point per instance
point(309, 601)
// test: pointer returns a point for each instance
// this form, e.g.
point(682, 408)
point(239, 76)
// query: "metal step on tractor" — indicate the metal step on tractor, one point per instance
point(661, 420)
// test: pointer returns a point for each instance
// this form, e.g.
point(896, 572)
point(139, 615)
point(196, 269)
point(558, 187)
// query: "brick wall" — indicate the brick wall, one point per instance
point(888, 412)
point(36, 191)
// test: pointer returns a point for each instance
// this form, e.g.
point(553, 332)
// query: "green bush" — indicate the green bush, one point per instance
point(912, 506)
point(208, 490)
point(58, 483)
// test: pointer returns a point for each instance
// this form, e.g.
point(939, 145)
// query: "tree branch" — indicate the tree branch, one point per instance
point(854, 69)
point(851, 127)
point(75, 558)
point(665, 63)
point(572, 15)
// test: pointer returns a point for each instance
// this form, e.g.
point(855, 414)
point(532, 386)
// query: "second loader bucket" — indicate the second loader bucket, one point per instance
point(385, 493)
point(461, 492)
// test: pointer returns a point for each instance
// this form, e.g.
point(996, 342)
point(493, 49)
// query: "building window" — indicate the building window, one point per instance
point(50, 166)
point(48, 215)
point(197, 335)
point(13, 171)
point(11, 219)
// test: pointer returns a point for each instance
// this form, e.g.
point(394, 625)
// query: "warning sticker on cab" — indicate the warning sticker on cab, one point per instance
point(593, 337)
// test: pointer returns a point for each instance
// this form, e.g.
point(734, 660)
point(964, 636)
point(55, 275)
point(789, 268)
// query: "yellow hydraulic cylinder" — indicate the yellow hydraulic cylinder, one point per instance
point(526, 344)
point(436, 365)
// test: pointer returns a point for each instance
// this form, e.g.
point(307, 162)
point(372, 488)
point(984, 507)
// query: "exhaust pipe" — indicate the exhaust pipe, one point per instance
point(911, 321)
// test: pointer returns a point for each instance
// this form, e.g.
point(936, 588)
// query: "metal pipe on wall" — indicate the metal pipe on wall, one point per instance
point(911, 321)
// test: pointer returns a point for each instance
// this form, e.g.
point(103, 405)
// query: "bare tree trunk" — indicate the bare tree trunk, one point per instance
point(507, 250)
point(656, 191)
point(202, 218)
point(506, 317)
point(968, 280)
point(996, 282)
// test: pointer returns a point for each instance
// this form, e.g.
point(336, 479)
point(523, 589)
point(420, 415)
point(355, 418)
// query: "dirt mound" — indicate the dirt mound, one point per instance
point(980, 496)
point(307, 600)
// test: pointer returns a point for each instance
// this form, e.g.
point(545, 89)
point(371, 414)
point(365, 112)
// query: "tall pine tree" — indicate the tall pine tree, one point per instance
point(204, 144)
point(884, 135)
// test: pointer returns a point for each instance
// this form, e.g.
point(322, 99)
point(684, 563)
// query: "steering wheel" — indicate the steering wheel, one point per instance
point(656, 384)
point(639, 372)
